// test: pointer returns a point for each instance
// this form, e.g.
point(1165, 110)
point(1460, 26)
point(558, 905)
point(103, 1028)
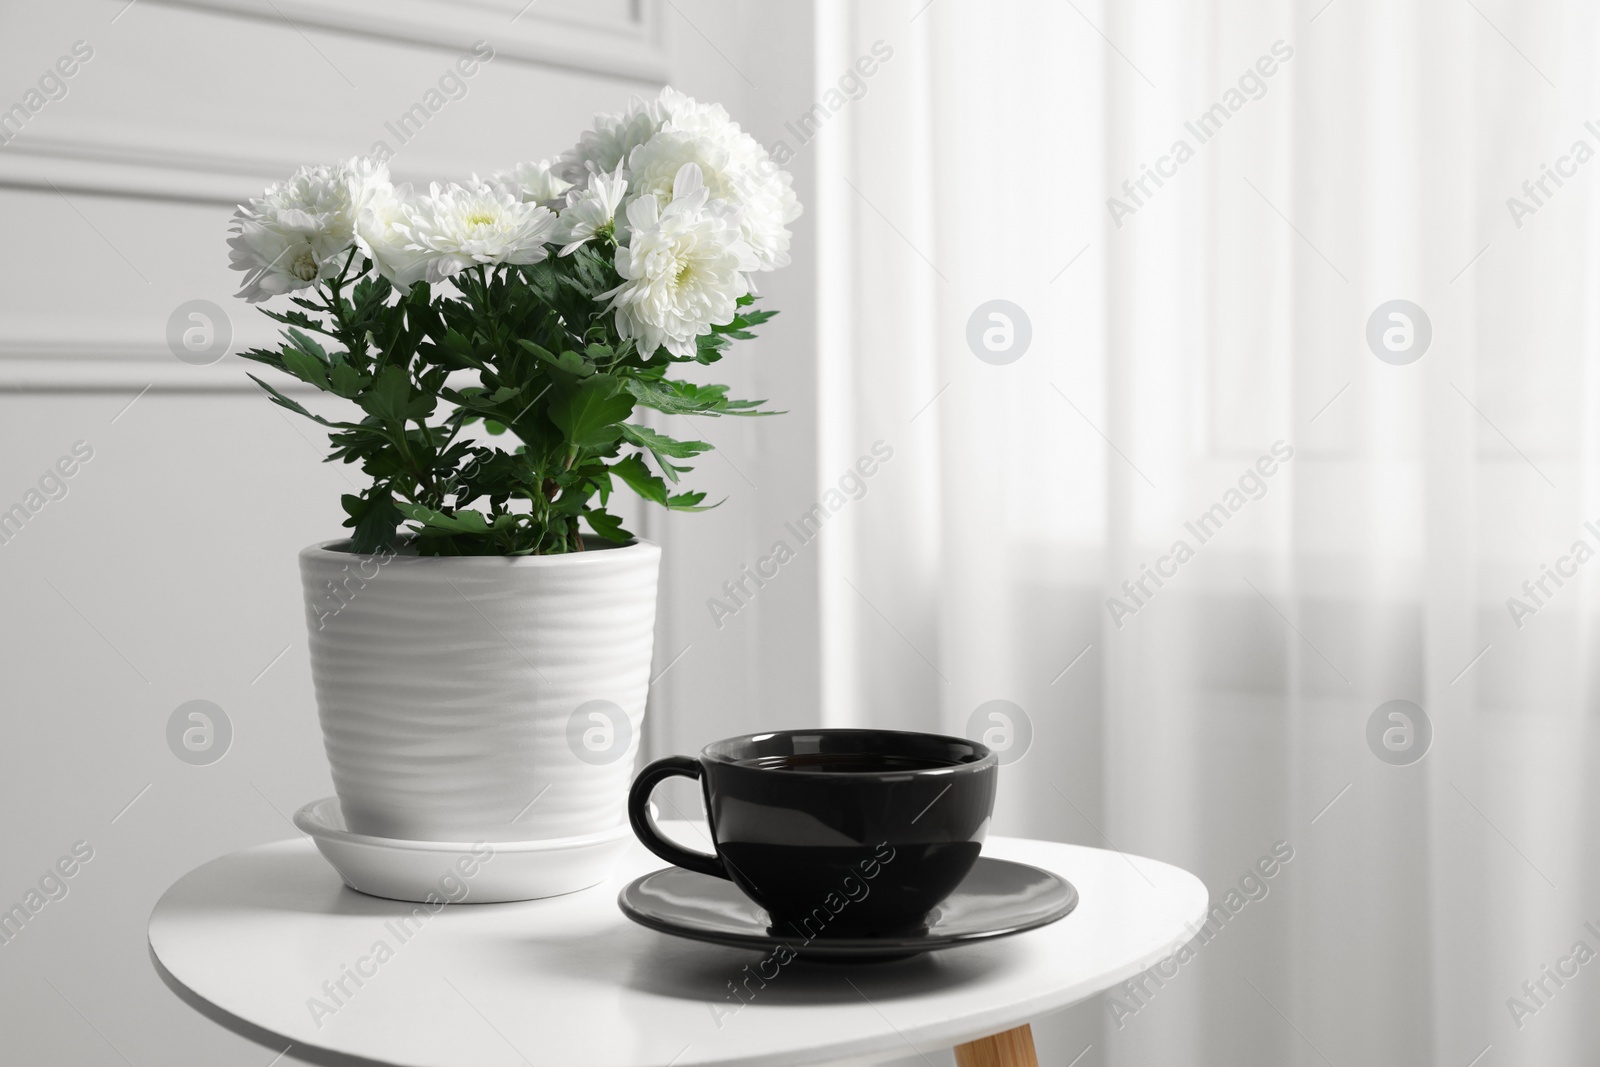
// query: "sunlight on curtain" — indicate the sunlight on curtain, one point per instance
point(1208, 368)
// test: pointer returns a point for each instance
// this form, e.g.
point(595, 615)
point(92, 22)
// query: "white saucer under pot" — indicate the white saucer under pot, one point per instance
point(484, 872)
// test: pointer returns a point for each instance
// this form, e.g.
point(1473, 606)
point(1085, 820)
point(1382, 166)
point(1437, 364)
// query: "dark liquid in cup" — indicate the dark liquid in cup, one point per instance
point(845, 762)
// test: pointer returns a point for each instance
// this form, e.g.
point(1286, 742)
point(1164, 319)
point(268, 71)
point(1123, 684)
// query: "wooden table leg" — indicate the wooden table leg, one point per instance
point(1014, 1048)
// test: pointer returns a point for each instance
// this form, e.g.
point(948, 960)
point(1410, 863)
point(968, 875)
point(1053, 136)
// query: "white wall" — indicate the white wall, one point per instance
point(167, 572)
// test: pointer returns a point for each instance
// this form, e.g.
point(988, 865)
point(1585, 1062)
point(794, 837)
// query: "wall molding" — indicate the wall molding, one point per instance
point(104, 168)
point(99, 364)
point(104, 162)
point(84, 155)
point(148, 162)
point(574, 35)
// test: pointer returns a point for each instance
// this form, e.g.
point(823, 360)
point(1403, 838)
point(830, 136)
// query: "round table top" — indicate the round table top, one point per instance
point(260, 940)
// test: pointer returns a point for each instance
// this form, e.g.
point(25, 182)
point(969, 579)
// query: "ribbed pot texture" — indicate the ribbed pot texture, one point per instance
point(481, 698)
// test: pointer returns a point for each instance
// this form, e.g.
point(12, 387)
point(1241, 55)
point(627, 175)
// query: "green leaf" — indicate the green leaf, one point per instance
point(370, 294)
point(589, 414)
point(410, 327)
point(454, 350)
point(661, 444)
point(466, 522)
point(663, 448)
point(346, 381)
point(708, 347)
point(272, 357)
point(739, 326)
point(299, 318)
point(690, 502)
point(375, 520)
point(606, 525)
point(567, 362)
point(308, 369)
point(308, 346)
point(745, 407)
point(284, 402)
point(392, 399)
point(389, 395)
point(685, 398)
point(674, 398)
point(641, 479)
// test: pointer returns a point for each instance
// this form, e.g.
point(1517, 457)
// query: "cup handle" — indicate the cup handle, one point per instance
point(644, 828)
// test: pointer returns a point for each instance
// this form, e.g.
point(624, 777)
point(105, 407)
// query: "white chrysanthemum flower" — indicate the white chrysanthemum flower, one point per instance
point(368, 177)
point(607, 146)
point(654, 165)
point(274, 262)
point(767, 202)
point(535, 183)
point(301, 229)
point(380, 239)
point(615, 134)
point(590, 212)
point(736, 168)
point(683, 267)
point(459, 226)
point(683, 113)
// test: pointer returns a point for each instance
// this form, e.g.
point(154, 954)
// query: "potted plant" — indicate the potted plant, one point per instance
point(481, 641)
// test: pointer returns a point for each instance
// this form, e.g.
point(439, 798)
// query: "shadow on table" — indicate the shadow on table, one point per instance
point(662, 965)
point(624, 954)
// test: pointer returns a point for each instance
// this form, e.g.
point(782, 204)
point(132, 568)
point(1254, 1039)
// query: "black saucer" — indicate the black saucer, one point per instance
point(997, 898)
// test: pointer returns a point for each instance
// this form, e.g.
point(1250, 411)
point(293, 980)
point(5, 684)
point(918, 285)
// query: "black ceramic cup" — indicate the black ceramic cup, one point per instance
point(834, 832)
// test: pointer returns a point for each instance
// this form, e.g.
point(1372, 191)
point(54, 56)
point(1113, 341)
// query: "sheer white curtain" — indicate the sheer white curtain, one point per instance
point(1339, 157)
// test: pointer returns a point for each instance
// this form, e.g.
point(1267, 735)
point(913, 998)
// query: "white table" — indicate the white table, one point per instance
point(250, 939)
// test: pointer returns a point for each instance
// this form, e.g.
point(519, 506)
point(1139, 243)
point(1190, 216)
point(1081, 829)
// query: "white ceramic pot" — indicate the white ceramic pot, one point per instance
point(481, 698)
